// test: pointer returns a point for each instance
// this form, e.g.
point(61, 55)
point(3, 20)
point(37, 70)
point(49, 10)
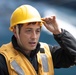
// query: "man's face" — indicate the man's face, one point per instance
point(29, 35)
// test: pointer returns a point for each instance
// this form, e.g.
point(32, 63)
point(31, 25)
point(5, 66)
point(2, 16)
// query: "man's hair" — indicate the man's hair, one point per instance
point(19, 27)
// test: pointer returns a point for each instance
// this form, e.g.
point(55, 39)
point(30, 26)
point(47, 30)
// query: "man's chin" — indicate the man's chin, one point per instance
point(33, 48)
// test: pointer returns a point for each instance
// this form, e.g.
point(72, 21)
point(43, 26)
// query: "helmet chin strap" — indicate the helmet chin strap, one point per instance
point(18, 40)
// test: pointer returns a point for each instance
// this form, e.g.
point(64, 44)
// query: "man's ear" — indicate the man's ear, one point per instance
point(14, 31)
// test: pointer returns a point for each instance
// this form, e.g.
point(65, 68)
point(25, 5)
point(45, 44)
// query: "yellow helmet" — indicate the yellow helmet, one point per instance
point(24, 14)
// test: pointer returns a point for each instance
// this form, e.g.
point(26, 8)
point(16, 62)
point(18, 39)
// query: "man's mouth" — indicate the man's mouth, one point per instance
point(32, 43)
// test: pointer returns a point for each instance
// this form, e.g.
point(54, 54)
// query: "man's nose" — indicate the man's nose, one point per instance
point(34, 35)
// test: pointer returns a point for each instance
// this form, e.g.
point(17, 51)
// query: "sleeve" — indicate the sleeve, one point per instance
point(64, 55)
point(3, 66)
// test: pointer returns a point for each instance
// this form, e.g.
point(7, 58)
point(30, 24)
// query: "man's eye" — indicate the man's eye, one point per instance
point(28, 30)
point(38, 30)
